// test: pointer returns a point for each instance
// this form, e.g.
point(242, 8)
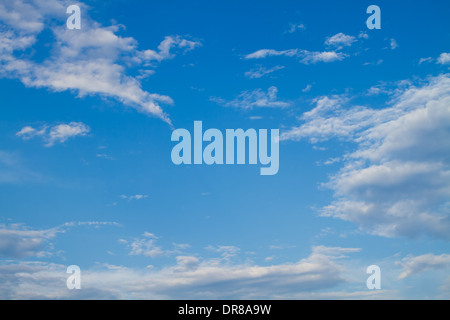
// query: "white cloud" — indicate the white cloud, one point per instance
point(145, 247)
point(422, 60)
point(293, 27)
point(307, 88)
point(255, 99)
point(166, 46)
point(90, 61)
point(134, 197)
point(427, 262)
point(393, 44)
point(304, 56)
point(444, 58)
point(190, 277)
point(340, 40)
point(264, 53)
point(397, 180)
point(55, 134)
point(17, 241)
point(261, 72)
point(363, 35)
point(325, 56)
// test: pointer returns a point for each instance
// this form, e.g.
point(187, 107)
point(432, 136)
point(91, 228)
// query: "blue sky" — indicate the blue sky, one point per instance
point(86, 176)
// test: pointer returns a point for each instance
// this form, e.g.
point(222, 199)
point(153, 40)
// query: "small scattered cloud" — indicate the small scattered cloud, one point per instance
point(363, 35)
point(294, 27)
point(393, 44)
point(55, 134)
point(307, 88)
point(264, 53)
point(134, 197)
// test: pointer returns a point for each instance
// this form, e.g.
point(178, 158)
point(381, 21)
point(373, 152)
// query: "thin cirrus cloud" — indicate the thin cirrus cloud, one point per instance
point(52, 135)
point(90, 61)
point(255, 99)
point(397, 180)
point(261, 72)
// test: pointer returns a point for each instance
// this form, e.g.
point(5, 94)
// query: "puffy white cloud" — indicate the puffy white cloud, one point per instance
point(427, 262)
point(397, 180)
point(255, 99)
point(444, 58)
point(325, 56)
point(91, 61)
point(340, 40)
point(55, 134)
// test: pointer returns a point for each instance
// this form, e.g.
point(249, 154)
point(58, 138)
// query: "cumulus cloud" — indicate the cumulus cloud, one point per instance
point(264, 53)
point(427, 262)
point(255, 99)
point(397, 180)
point(55, 134)
point(190, 276)
point(92, 61)
point(444, 58)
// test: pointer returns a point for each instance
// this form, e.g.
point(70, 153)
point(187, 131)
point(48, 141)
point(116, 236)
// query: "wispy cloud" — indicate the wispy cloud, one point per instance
point(261, 72)
point(294, 27)
point(55, 134)
point(134, 197)
point(304, 56)
point(264, 53)
point(255, 99)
